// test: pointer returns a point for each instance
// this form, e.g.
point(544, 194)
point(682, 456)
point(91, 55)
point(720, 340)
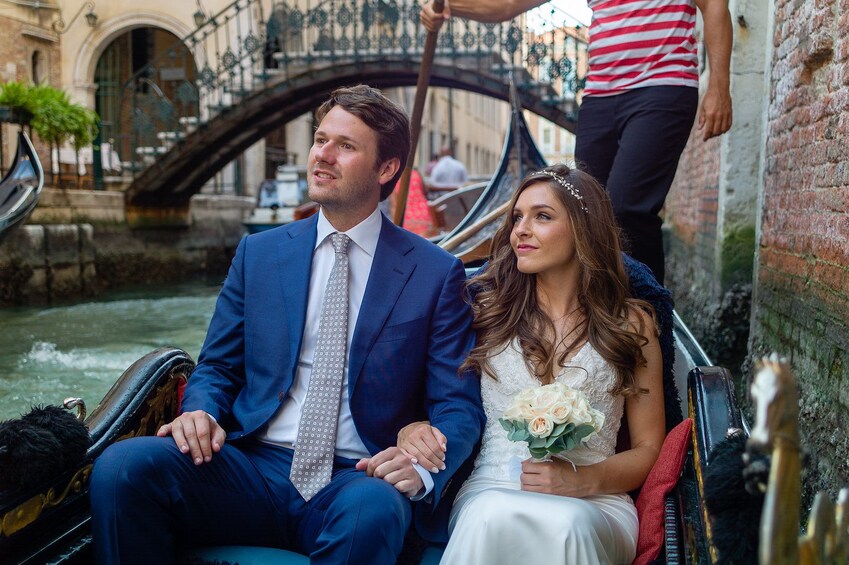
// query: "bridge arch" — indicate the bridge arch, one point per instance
point(179, 174)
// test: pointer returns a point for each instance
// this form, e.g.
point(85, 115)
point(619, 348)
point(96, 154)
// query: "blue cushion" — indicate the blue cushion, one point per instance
point(245, 555)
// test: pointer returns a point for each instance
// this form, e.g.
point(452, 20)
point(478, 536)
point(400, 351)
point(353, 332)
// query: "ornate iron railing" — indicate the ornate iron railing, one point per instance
point(239, 50)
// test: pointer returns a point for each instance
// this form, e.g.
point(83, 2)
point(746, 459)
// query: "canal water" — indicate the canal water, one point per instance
point(50, 353)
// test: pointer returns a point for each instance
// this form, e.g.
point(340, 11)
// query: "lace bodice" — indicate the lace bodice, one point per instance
point(498, 455)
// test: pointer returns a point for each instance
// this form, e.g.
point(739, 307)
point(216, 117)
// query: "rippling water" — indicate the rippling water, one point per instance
point(50, 353)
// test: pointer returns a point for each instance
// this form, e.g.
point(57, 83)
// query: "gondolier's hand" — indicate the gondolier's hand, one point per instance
point(196, 433)
point(425, 443)
point(396, 468)
point(715, 114)
point(431, 20)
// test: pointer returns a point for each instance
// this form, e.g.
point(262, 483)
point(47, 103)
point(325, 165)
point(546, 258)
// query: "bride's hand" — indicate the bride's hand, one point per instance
point(557, 477)
point(425, 444)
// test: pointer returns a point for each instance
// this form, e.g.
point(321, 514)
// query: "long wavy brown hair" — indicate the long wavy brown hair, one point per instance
point(505, 302)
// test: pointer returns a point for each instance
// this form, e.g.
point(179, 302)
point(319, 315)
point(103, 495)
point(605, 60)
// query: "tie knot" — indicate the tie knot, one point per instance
point(340, 242)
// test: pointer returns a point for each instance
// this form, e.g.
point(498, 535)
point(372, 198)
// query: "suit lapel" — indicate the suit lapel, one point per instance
point(295, 254)
point(390, 272)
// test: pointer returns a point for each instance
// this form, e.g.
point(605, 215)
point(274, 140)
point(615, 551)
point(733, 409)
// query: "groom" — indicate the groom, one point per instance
point(329, 335)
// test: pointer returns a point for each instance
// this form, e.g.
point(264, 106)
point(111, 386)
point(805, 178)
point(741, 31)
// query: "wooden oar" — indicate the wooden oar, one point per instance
point(464, 235)
point(416, 120)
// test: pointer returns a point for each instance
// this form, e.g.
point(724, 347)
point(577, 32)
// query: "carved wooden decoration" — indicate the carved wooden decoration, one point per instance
point(776, 431)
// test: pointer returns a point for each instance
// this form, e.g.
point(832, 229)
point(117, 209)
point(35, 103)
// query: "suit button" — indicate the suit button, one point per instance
point(281, 395)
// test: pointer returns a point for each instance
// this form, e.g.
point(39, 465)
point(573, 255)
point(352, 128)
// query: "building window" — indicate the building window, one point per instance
point(37, 67)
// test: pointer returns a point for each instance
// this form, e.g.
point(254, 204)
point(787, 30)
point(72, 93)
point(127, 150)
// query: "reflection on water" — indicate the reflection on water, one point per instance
point(50, 353)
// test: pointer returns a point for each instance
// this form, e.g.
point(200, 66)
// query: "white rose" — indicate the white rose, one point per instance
point(526, 411)
point(525, 396)
point(560, 412)
point(541, 426)
point(568, 393)
point(581, 414)
point(546, 398)
point(512, 413)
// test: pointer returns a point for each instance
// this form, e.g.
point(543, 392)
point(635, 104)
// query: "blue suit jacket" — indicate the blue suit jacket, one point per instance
point(413, 332)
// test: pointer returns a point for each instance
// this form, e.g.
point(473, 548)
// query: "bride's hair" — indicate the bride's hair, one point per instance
point(505, 302)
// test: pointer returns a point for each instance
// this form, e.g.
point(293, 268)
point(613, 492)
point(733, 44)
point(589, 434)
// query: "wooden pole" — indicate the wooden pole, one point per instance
point(416, 119)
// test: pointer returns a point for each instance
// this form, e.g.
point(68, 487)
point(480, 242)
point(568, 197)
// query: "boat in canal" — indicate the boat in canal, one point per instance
point(21, 187)
point(278, 199)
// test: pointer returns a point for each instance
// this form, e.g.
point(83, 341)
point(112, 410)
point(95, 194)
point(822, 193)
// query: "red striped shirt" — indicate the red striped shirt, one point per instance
point(640, 43)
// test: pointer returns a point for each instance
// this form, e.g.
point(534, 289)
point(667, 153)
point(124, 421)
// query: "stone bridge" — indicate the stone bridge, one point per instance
point(256, 73)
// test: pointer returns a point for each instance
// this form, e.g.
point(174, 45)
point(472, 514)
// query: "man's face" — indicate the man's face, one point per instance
point(344, 173)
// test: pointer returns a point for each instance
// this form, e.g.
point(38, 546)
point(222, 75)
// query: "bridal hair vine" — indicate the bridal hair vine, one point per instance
point(565, 184)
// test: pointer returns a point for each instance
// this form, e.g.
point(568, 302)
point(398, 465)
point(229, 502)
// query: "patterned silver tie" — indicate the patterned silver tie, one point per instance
point(313, 460)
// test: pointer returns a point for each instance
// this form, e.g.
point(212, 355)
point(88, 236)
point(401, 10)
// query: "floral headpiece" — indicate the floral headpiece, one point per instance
point(565, 184)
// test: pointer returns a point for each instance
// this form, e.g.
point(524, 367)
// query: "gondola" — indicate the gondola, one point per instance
point(469, 240)
point(49, 523)
point(21, 187)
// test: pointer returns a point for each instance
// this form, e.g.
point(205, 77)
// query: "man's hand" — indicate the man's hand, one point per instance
point(425, 444)
point(715, 114)
point(196, 433)
point(396, 468)
point(432, 20)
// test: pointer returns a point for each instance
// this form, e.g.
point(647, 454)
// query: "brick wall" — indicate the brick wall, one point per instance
point(801, 306)
point(691, 227)
point(19, 40)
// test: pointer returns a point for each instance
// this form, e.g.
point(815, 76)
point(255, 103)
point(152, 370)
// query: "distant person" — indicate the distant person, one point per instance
point(640, 99)
point(448, 171)
point(416, 214)
point(330, 334)
point(434, 159)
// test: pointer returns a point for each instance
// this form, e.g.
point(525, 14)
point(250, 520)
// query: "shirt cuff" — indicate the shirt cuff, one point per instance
point(426, 479)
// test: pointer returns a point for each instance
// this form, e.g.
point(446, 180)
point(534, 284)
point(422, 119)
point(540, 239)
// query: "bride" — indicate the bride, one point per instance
point(553, 305)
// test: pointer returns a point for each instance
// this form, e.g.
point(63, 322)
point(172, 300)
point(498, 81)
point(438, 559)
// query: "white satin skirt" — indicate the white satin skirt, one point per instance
point(494, 521)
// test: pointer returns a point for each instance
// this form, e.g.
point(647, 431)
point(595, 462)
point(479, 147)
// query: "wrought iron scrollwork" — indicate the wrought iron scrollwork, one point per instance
point(238, 50)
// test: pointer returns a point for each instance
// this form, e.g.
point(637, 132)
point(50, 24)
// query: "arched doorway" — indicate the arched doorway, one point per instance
point(135, 99)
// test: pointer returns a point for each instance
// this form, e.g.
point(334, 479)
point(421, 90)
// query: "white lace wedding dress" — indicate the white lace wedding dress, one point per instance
point(493, 521)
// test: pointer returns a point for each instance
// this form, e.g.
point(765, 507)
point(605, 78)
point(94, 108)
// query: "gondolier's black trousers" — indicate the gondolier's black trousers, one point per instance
point(631, 143)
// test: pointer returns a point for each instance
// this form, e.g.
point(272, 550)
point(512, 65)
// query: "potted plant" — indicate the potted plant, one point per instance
point(16, 103)
point(52, 120)
point(83, 130)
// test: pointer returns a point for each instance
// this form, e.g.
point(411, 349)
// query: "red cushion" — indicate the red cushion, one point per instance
point(661, 480)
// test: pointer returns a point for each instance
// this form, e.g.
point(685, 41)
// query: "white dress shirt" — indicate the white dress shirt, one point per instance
point(283, 427)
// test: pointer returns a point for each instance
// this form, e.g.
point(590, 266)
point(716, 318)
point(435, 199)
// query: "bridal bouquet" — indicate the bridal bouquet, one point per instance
point(551, 418)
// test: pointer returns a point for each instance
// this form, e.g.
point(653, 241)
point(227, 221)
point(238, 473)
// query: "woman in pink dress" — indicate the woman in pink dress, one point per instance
point(416, 216)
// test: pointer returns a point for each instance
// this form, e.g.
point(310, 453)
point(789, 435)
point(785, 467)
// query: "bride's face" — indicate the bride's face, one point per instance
point(542, 231)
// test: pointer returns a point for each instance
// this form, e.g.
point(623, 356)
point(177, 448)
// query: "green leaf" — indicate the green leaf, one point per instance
point(559, 429)
point(550, 441)
point(537, 453)
point(583, 431)
point(537, 442)
point(506, 424)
